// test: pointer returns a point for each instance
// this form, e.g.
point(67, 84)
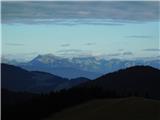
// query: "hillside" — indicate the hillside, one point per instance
point(112, 109)
point(138, 80)
point(17, 79)
point(141, 81)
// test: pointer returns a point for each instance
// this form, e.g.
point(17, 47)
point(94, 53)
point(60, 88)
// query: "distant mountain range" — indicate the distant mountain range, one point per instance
point(17, 79)
point(89, 67)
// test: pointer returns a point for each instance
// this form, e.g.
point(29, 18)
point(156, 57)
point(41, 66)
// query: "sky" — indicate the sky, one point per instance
point(68, 29)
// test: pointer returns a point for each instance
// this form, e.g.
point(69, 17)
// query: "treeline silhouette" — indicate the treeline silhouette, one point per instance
point(41, 106)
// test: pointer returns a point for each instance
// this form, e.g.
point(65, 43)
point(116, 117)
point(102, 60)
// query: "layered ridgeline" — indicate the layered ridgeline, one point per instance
point(141, 81)
point(18, 79)
point(89, 67)
point(136, 81)
point(133, 80)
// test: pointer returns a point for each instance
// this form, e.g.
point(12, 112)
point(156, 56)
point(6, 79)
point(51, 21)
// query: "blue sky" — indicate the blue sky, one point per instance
point(109, 29)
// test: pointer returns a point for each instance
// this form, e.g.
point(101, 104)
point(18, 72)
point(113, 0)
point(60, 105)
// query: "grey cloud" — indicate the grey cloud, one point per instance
point(49, 11)
point(114, 54)
point(120, 50)
point(65, 45)
point(69, 51)
point(73, 52)
point(90, 44)
point(120, 54)
point(14, 44)
point(140, 36)
point(152, 49)
point(127, 53)
point(67, 22)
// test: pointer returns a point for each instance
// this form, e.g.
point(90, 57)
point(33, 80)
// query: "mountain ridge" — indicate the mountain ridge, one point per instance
point(133, 80)
point(19, 79)
point(59, 66)
point(89, 66)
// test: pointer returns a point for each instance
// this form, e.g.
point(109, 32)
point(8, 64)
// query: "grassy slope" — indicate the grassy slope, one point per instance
point(113, 109)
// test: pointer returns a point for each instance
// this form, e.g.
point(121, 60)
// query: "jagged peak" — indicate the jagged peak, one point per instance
point(47, 58)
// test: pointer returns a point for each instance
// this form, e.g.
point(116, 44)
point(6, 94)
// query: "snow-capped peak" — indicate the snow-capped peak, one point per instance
point(47, 58)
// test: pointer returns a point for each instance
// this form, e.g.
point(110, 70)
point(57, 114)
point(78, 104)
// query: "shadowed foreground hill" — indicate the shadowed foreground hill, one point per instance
point(141, 81)
point(133, 108)
point(137, 80)
point(17, 79)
